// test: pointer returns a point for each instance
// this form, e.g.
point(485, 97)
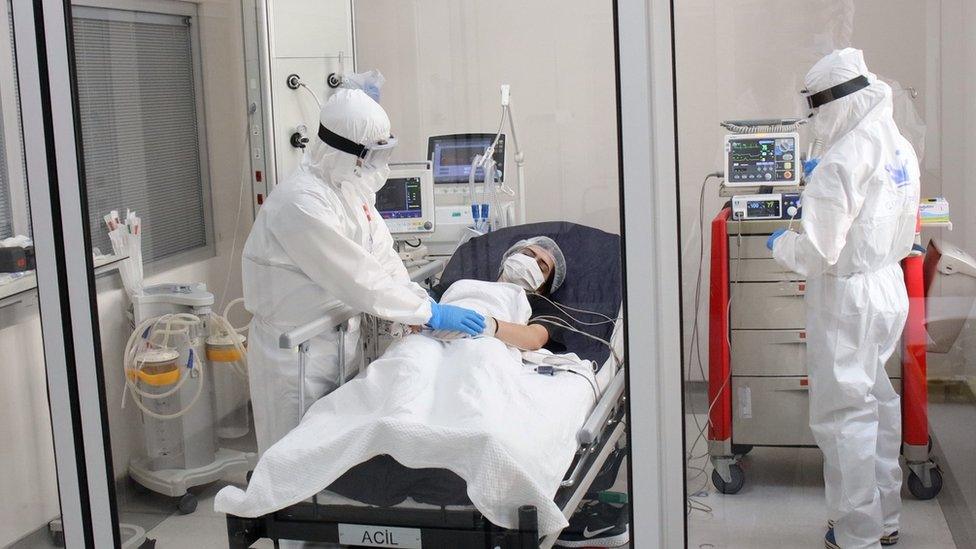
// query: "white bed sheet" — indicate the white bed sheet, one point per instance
point(469, 406)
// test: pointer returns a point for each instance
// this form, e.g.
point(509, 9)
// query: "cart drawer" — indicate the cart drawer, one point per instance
point(768, 305)
point(769, 353)
point(780, 353)
point(760, 270)
point(748, 247)
point(773, 411)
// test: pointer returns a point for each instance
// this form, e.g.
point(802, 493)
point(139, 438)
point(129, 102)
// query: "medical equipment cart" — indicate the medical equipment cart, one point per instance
point(758, 385)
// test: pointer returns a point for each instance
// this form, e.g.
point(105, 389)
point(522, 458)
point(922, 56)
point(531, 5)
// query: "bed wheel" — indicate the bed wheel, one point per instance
point(733, 486)
point(741, 449)
point(918, 488)
point(187, 504)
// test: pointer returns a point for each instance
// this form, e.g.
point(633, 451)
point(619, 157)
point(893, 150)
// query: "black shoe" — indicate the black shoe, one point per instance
point(887, 540)
point(597, 524)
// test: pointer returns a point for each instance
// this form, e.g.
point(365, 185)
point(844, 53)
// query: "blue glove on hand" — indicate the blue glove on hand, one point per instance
point(455, 319)
point(772, 238)
point(809, 165)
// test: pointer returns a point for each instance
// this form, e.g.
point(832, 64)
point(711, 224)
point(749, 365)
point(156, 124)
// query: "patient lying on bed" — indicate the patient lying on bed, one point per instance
point(538, 267)
point(469, 406)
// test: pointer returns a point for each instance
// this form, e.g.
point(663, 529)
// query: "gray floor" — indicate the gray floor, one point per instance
point(782, 505)
point(952, 414)
point(782, 501)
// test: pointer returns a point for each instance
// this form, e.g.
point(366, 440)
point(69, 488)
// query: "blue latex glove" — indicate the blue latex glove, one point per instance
point(455, 319)
point(772, 238)
point(809, 165)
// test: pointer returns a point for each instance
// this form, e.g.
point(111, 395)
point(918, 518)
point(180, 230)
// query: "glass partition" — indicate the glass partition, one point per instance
point(828, 368)
point(373, 280)
point(32, 519)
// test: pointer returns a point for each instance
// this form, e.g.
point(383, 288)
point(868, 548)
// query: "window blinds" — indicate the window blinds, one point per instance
point(6, 218)
point(139, 127)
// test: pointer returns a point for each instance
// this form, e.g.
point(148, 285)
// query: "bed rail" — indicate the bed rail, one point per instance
point(331, 320)
point(600, 414)
point(334, 319)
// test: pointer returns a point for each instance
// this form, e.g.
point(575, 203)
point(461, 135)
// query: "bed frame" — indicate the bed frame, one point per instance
point(445, 527)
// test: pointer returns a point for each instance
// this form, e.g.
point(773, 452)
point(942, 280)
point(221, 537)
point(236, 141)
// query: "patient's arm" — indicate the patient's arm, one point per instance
point(527, 338)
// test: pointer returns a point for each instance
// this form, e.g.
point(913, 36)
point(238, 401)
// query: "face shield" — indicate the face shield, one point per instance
point(373, 156)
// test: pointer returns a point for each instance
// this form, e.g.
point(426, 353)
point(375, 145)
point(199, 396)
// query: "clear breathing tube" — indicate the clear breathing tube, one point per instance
point(490, 216)
point(472, 193)
point(485, 207)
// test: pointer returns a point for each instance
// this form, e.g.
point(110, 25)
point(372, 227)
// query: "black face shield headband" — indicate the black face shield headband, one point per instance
point(833, 93)
point(373, 156)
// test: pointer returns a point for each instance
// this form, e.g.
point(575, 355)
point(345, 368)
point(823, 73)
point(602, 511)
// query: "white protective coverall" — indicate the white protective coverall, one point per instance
point(859, 212)
point(319, 241)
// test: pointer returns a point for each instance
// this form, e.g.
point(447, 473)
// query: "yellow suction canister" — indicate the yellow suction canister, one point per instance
point(156, 367)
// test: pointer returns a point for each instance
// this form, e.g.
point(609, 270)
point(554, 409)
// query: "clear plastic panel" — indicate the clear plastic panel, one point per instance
point(756, 408)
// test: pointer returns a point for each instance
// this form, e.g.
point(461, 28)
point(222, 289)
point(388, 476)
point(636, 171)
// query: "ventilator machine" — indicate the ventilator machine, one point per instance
point(470, 182)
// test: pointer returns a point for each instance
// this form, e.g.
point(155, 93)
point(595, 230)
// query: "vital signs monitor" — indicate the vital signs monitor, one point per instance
point(451, 156)
point(406, 201)
point(762, 159)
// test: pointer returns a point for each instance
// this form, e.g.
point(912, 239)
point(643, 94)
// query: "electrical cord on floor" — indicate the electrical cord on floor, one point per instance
point(695, 356)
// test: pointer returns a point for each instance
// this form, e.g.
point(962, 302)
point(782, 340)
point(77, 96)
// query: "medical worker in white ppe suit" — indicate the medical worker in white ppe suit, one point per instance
point(859, 213)
point(318, 241)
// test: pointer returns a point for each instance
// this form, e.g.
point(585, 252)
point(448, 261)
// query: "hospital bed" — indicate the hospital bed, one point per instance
point(443, 516)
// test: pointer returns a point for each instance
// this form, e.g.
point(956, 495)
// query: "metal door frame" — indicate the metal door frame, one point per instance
point(65, 272)
point(649, 208)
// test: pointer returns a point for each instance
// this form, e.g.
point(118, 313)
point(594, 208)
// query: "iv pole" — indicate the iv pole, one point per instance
point(519, 155)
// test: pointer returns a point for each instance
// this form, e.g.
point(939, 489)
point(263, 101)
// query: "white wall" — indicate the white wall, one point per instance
point(444, 59)
point(747, 59)
point(27, 474)
point(27, 471)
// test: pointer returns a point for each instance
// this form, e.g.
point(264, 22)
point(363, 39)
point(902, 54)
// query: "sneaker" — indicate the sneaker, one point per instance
point(829, 541)
point(887, 539)
point(597, 524)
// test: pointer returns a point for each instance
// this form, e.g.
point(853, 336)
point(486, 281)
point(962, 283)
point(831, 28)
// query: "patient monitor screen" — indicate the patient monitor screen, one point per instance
point(762, 160)
point(400, 198)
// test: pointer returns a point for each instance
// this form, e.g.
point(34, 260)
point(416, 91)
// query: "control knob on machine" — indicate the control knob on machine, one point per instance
point(791, 211)
point(428, 225)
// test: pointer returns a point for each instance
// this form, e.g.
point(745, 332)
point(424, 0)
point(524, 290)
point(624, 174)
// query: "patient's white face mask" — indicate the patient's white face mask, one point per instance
point(522, 270)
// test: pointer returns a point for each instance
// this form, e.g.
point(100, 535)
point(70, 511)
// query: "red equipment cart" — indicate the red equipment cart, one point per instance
point(757, 383)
